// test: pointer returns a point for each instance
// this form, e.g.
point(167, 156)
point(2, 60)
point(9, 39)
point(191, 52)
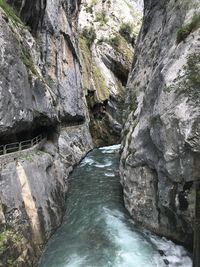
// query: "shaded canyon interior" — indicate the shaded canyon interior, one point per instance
point(91, 73)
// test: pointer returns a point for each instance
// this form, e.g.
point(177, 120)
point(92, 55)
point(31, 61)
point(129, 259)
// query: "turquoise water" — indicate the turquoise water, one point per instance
point(97, 230)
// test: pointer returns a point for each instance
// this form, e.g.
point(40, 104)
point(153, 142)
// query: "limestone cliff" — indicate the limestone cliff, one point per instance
point(160, 150)
point(40, 93)
point(108, 33)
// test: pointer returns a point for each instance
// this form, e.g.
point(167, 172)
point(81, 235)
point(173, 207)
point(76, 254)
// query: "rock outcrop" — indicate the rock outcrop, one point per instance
point(108, 33)
point(40, 93)
point(160, 150)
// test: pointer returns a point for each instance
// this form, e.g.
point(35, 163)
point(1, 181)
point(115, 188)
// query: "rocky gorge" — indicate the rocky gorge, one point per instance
point(108, 32)
point(77, 74)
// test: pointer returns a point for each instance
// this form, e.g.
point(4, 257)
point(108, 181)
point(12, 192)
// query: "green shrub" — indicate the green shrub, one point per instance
point(89, 34)
point(186, 29)
point(192, 70)
point(94, 2)
point(9, 12)
point(89, 9)
point(114, 41)
point(101, 17)
point(126, 30)
point(27, 60)
point(109, 3)
point(189, 84)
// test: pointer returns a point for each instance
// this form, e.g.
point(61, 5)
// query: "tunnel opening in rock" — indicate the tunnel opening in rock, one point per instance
point(48, 132)
point(44, 131)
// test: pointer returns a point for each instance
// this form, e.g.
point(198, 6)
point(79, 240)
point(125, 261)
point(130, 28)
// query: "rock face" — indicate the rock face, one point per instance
point(40, 93)
point(108, 32)
point(160, 150)
point(45, 68)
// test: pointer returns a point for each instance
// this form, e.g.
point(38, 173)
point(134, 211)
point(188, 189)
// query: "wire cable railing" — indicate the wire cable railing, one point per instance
point(19, 146)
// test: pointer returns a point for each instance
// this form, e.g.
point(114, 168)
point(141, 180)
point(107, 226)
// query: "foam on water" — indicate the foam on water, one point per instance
point(86, 161)
point(110, 149)
point(97, 230)
point(176, 255)
point(103, 165)
point(109, 174)
point(75, 261)
point(133, 249)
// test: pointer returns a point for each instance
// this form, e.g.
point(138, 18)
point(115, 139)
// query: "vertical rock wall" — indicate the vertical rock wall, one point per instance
point(160, 150)
point(40, 92)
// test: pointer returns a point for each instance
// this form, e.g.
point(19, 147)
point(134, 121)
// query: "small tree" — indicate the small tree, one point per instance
point(89, 34)
point(126, 30)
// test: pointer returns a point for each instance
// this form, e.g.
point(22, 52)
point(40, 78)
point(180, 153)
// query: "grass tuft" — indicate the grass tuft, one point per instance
point(10, 12)
point(27, 60)
point(102, 18)
point(185, 30)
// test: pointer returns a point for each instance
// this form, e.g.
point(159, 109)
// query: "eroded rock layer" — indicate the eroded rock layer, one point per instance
point(160, 150)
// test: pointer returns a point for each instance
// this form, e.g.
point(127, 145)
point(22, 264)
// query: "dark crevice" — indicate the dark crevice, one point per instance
point(71, 46)
point(117, 69)
point(73, 120)
point(31, 12)
point(28, 135)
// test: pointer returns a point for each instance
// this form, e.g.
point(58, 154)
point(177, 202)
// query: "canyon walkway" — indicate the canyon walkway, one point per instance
point(19, 146)
point(16, 149)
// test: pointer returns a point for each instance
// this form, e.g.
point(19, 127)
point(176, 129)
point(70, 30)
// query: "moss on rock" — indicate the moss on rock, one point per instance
point(10, 12)
point(185, 30)
point(189, 84)
point(119, 43)
point(11, 244)
point(86, 62)
point(92, 74)
point(100, 85)
point(28, 61)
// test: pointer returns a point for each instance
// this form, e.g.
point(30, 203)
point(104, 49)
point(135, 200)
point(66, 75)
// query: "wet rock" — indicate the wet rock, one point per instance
point(162, 253)
point(166, 262)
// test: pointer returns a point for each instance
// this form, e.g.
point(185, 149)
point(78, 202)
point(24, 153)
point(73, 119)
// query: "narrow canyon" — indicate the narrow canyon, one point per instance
point(99, 133)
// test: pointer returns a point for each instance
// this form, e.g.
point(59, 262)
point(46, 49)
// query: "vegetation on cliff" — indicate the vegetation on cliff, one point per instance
point(186, 29)
point(108, 32)
point(10, 12)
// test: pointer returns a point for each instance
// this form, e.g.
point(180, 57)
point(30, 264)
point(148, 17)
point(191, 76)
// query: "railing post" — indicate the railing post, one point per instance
point(19, 146)
point(196, 245)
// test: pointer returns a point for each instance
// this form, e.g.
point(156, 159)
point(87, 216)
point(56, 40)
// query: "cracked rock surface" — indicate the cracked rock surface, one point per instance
point(160, 148)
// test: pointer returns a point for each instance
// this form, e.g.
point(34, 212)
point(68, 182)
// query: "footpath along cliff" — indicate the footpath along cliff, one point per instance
point(40, 93)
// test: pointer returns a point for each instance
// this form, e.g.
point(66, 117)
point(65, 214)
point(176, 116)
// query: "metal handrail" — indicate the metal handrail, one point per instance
point(18, 146)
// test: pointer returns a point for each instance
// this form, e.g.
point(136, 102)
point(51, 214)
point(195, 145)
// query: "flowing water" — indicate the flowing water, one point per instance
point(97, 231)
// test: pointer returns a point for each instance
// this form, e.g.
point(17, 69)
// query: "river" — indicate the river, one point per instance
point(97, 231)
